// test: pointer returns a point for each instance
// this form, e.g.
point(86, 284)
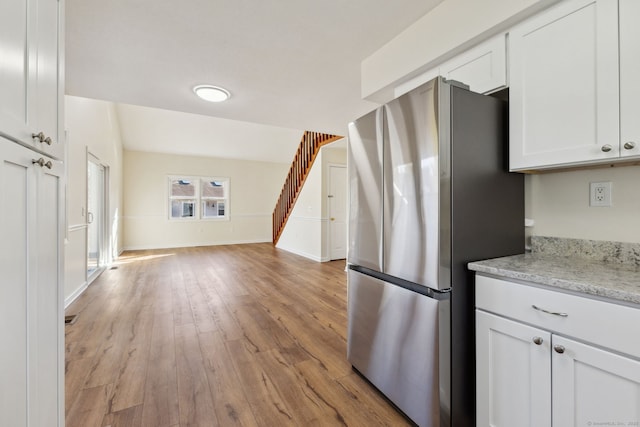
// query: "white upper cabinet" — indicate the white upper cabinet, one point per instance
point(564, 94)
point(483, 68)
point(629, 78)
point(30, 74)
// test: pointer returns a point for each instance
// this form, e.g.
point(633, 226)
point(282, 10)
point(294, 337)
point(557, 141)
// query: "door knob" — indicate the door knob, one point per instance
point(629, 145)
point(332, 219)
point(537, 340)
point(606, 148)
point(559, 348)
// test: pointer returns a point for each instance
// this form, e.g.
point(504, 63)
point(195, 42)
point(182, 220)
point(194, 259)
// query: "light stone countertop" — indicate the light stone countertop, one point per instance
point(611, 280)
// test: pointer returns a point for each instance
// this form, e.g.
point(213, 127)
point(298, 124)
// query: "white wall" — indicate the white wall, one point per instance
point(306, 231)
point(91, 125)
point(559, 205)
point(254, 187)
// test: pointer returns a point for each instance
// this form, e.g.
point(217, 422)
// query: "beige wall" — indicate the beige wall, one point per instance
point(306, 232)
point(254, 187)
point(91, 126)
point(559, 205)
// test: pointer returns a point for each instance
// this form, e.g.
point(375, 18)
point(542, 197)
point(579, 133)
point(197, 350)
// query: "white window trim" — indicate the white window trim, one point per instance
point(199, 200)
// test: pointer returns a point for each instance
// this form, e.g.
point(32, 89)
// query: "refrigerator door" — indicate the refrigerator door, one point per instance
point(399, 340)
point(416, 187)
point(365, 190)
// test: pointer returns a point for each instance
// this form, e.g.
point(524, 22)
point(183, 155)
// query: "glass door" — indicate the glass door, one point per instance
point(95, 219)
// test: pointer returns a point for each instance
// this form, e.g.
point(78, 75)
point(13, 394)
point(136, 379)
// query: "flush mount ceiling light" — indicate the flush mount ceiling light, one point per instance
point(211, 93)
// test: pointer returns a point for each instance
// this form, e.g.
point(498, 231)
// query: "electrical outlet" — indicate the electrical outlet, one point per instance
point(600, 194)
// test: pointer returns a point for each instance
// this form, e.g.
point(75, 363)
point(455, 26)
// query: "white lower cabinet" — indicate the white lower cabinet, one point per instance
point(530, 373)
point(513, 373)
point(31, 319)
point(592, 386)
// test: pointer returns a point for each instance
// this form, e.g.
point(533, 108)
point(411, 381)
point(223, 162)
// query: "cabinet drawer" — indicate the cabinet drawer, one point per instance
point(602, 323)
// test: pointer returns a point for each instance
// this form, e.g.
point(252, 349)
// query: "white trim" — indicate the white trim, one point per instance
point(306, 255)
point(75, 294)
point(231, 217)
point(78, 227)
point(194, 245)
point(308, 218)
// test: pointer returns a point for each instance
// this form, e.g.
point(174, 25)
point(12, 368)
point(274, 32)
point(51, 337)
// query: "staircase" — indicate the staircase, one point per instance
point(305, 156)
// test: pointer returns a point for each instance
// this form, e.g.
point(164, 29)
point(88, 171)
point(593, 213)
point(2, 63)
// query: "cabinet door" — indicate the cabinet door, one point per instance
point(629, 78)
point(44, 112)
point(483, 68)
point(30, 299)
point(30, 73)
point(563, 72)
point(513, 373)
point(17, 198)
point(593, 386)
point(14, 67)
point(46, 310)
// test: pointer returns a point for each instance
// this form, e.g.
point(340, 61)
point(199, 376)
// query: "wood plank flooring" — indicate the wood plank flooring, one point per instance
point(243, 335)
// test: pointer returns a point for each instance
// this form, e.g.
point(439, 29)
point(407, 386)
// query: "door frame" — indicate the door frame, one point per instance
point(329, 205)
point(104, 257)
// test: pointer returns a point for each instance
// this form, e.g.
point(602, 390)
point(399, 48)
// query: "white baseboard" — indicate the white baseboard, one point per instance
point(75, 294)
point(193, 245)
point(305, 254)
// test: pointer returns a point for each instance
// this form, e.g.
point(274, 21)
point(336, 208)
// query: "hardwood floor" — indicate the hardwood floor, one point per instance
point(244, 335)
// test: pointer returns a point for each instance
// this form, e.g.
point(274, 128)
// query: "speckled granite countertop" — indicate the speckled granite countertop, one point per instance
point(605, 269)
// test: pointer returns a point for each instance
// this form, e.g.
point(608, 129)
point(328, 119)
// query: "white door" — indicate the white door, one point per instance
point(593, 386)
point(563, 75)
point(513, 373)
point(96, 230)
point(337, 212)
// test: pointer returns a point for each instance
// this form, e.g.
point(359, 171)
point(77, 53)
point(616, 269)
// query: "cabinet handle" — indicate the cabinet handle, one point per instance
point(606, 148)
point(629, 145)
point(39, 136)
point(40, 162)
point(537, 340)
point(555, 313)
point(558, 348)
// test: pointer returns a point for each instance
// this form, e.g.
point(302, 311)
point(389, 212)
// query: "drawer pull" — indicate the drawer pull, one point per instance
point(555, 313)
point(537, 340)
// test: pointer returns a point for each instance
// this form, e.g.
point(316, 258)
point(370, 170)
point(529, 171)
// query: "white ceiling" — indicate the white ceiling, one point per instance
point(289, 64)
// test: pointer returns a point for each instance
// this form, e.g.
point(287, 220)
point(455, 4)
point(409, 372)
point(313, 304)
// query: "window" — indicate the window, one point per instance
point(198, 198)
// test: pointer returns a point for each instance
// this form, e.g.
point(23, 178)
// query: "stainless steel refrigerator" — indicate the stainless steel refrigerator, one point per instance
point(429, 192)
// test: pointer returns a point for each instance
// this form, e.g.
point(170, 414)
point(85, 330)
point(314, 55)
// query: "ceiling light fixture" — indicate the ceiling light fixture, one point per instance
point(211, 93)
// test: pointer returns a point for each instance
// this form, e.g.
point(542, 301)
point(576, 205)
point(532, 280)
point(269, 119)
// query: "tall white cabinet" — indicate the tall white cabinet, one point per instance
point(546, 358)
point(31, 213)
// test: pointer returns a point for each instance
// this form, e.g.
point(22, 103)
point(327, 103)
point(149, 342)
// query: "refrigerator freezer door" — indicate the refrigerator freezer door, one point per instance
point(398, 339)
point(365, 191)
point(415, 172)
